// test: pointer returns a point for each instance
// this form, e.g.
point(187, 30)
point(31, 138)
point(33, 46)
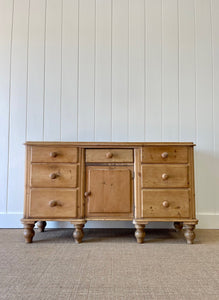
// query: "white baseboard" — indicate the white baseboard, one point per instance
point(206, 221)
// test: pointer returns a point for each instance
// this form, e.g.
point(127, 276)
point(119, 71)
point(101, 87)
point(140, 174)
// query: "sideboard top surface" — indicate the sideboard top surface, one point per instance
point(109, 144)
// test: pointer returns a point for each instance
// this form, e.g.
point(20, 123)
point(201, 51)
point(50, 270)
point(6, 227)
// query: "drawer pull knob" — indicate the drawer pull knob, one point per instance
point(53, 203)
point(53, 154)
point(164, 155)
point(109, 155)
point(165, 204)
point(86, 194)
point(165, 176)
point(53, 176)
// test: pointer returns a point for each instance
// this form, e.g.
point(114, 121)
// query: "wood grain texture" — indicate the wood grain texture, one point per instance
point(164, 155)
point(66, 203)
point(65, 175)
point(178, 203)
point(109, 155)
point(110, 191)
point(152, 176)
point(54, 154)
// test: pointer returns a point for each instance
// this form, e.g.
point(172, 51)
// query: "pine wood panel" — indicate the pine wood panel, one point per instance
point(66, 175)
point(152, 176)
point(109, 155)
point(54, 154)
point(177, 203)
point(110, 191)
point(164, 155)
point(41, 203)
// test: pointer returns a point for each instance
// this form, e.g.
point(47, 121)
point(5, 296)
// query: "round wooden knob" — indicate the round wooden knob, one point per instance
point(164, 155)
point(86, 194)
point(165, 204)
point(165, 176)
point(109, 155)
point(53, 176)
point(53, 154)
point(53, 203)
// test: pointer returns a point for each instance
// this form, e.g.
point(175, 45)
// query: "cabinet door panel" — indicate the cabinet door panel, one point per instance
point(110, 190)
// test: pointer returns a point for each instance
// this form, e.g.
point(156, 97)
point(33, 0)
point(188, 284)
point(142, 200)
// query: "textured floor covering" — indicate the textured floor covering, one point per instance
point(109, 264)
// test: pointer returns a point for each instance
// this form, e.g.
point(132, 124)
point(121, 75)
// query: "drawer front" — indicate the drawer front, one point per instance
point(53, 203)
point(165, 203)
point(164, 154)
point(54, 154)
point(109, 155)
point(54, 175)
point(158, 176)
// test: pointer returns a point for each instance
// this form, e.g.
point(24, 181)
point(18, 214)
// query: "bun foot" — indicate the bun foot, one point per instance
point(78, 233)
point(29, 232)
point(178, 226)
point(189, 233)
point(140, 233)
point(41, 225)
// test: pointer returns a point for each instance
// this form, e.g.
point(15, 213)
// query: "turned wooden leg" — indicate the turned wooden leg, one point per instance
point(78, 233)
point(41, 225)
point(140, 233)
point(29, 232)
point(178, 226)
point(189, 233)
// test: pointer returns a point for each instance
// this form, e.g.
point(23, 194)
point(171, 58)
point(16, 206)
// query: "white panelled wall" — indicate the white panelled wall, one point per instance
point(109, 70)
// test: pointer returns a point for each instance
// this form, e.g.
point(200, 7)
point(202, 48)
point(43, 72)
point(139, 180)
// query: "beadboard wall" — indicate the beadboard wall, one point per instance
point(109, 70)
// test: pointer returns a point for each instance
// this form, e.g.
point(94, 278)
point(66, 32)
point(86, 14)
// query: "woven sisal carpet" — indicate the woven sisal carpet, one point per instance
point(109, 264)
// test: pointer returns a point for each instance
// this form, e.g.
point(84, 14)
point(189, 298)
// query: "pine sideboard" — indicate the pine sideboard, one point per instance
point(82, 181)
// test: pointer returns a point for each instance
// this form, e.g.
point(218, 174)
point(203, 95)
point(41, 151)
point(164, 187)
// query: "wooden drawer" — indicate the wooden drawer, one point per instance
point(53, 203)
point(54, 175)
point(54, 154)
point(109, 155)
point(158, 176)
point(164, 154)
point(165, 203)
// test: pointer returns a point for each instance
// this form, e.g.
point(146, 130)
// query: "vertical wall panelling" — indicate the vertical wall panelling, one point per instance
point(204, 95)
point(53, 70)
point(136, 70)
point(215, 43)
point(120, 70)
point(86, 96)
point(6, 15)
point(69, 71)
point(18, 106)
point(170, 70)
point(187, 97)
point(103, 74)
point(36, 65)
point(153, 70)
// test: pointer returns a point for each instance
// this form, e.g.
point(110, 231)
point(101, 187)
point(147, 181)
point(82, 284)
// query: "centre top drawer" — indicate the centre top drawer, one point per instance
point(109, 155)
point(54, 154)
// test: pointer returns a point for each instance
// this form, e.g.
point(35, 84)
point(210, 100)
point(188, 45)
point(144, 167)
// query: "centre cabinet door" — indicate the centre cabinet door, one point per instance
point(109, 191)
